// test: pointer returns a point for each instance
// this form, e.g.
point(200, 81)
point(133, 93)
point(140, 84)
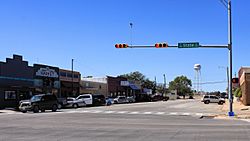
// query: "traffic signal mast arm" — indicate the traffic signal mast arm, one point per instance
point(176, 46)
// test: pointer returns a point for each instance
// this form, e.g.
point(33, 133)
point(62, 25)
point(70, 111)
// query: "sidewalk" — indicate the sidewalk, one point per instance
point(241, 111)
point(8, 111)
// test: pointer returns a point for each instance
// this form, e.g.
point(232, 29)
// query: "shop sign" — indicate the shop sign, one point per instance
point(124, 83)
point(47, 72)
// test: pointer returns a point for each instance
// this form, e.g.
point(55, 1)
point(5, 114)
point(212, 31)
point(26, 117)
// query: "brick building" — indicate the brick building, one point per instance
point(16, 81)
point(70, 83)
point(244, 81)
point(19, 81)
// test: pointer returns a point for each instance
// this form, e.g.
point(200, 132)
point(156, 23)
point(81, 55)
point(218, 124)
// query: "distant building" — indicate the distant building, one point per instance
point(94, 85)
point(244, 81)
point(120, 86)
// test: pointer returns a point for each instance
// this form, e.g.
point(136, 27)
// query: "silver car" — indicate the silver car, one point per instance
point(75, 103)
point(212, 99)
point(24, 106)
point(120, 100)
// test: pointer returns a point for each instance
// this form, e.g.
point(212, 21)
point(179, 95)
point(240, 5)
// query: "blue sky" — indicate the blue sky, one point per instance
point(55, 31)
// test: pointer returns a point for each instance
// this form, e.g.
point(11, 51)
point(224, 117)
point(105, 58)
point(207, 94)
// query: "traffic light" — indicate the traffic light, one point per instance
point(235, 80)
point(121, 45)
point(161, 45)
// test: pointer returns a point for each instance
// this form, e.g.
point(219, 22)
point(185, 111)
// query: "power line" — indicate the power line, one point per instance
point(212, 82)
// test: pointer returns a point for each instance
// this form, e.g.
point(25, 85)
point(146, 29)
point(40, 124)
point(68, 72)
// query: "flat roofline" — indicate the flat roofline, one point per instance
point(69, 70)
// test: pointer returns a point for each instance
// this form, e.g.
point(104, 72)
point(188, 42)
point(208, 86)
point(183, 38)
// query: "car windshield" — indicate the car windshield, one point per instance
point(36, 98)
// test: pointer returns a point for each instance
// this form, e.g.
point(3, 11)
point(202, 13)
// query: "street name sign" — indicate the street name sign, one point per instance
point(189, 45)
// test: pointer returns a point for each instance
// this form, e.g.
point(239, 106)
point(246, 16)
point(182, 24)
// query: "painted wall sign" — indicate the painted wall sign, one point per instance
point(47, 72)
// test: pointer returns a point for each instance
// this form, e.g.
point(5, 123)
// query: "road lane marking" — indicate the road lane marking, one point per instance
point(122, 112)
point(159, 113)
point(199, 114)
point(185, 114)
point(134, 112)
point(108, 112)
point(96, 111)
point(147, 113)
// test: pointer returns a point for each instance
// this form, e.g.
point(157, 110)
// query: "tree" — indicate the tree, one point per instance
point(238, 93)
point(139, 77)
point(182, 84)
point(134, 76)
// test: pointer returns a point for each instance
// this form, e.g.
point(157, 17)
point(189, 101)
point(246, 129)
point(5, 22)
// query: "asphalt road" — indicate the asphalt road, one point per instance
point(157, 121)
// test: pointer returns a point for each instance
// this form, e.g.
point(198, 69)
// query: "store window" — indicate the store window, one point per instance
point(76, 76)
point(87, 84)
point(10, 95)
point(69, 75)
point(63, 74)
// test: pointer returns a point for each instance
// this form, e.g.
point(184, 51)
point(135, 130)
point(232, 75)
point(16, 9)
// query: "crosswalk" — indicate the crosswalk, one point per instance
point(159, 113)
point(156, 113)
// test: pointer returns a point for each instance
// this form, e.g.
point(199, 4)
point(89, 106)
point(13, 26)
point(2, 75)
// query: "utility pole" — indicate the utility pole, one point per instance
point(155, 85)
point(230, 113)
point(72, 78)
point(164, 86)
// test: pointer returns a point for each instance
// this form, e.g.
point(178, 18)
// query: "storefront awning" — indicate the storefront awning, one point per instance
point(134, 87)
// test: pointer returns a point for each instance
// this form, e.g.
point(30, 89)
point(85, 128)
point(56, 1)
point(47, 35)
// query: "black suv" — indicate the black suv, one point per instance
point(44, 102)
point(98, 100)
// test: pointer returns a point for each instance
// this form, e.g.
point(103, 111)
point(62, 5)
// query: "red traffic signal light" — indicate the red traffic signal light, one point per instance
point(235, 80)
point(121, 45)
point(161, 45)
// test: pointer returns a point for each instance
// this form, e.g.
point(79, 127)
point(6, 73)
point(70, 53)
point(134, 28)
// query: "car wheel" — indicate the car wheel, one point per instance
point(59, 106)
point(36, 109)
point(75, 106)
point(220, 102)
point(207, 102)
point(54, 108)
point(42, 110)
point(24, 111)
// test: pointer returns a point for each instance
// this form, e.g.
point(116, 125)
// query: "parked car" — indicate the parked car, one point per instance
point(157, 97)
point(98, 100)
point(131, 99)
point(93, 99)
point(87, 99)
point(24, 105)
point(120, 100)
point(212, 99)
point(43, 102)
point(109, 101)
point(74, 103)
point(62, 102)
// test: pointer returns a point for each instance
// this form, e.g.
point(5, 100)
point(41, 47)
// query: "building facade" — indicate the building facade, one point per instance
point(120, 86)
point(244, 81)
point(70, 83)
point(46, 79)
point(16, 81)
point(19, 81)
point(90, 85)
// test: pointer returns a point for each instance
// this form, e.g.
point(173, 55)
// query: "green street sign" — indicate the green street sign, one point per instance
point(189, 45)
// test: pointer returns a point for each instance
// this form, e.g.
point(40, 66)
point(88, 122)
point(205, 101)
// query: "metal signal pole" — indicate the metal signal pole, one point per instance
point(230, 113)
